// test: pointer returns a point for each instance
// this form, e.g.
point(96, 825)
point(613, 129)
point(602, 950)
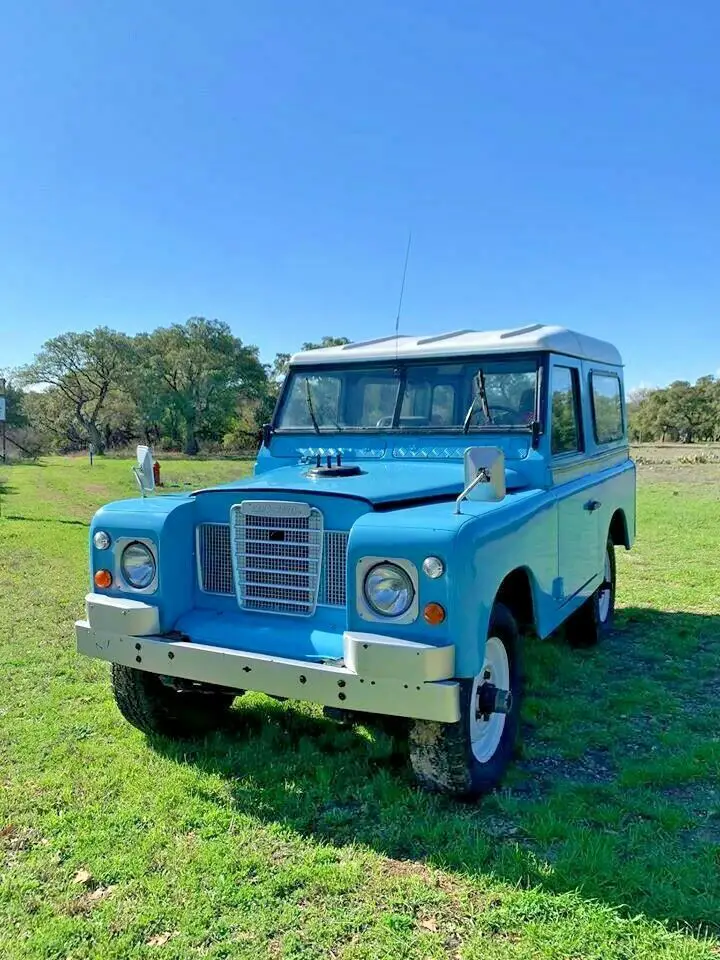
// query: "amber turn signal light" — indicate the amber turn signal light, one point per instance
point(103, 579)
point(433, 614)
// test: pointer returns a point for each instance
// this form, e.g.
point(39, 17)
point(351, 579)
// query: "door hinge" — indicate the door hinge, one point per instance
point(558, 588)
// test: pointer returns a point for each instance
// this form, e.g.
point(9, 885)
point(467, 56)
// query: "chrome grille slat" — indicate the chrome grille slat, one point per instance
point(271, 600)
point(215, 566)
point(267, 535)
point(251, 587)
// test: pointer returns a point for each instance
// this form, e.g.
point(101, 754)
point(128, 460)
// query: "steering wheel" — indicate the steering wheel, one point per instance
point(501, 408)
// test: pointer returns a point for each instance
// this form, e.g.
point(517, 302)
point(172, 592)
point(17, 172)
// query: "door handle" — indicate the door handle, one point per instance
point(592, 505)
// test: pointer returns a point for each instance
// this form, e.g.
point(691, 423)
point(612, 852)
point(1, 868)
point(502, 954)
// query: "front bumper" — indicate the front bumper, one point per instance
point(377, 674)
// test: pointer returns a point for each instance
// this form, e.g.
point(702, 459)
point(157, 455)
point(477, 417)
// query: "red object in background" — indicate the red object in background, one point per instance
point(156, 474)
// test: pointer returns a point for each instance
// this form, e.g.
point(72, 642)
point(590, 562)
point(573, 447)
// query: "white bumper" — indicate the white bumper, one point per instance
point(377, 674)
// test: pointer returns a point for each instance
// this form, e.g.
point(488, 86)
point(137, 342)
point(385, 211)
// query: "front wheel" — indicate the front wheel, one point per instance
point(153, 707)
point(469, 758)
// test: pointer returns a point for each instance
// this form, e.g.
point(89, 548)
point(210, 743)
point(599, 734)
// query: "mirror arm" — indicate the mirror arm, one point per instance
point(482, 477)
point(138, 476)
point(536, 433)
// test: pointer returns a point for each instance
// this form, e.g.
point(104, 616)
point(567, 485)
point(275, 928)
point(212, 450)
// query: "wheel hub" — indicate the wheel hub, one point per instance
point(491, 699)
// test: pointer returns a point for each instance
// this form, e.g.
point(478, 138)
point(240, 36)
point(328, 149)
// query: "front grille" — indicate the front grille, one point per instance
point(214, 560)
point(215, 564)
point(277, 551)
point(333, 591)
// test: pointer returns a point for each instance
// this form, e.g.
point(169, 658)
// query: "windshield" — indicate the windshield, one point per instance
point(471, 395)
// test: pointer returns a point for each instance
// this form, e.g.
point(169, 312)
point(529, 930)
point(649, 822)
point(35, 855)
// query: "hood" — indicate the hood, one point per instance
point(380, 484)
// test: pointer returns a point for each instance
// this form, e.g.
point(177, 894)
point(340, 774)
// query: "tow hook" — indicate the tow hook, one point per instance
point(490, 699)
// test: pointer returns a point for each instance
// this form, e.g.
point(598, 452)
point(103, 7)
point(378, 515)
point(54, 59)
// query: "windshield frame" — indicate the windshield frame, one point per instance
point(536, 428)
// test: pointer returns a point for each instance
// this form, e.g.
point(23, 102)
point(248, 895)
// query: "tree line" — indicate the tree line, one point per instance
point(683, 412)
point(179, 388)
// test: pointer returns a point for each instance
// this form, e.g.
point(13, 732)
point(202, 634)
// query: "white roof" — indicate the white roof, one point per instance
point(537, 337)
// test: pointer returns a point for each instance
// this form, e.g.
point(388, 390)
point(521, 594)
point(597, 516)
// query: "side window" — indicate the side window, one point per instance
point(565, 437)
point(607, 407)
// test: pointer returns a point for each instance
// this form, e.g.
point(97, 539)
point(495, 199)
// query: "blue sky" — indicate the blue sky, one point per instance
point(262, 163)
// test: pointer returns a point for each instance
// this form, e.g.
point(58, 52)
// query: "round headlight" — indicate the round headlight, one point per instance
point(388, 590)
point(137, 565)
point(101, 540)
point(433, 567)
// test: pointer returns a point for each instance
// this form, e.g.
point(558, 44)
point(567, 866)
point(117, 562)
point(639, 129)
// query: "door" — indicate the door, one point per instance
point(574, 487)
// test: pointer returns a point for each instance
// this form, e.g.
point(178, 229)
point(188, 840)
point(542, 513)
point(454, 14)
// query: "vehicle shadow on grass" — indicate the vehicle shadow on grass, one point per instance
point(611, 796)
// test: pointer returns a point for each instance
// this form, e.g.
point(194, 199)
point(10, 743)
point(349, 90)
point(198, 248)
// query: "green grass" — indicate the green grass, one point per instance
point(286, 836)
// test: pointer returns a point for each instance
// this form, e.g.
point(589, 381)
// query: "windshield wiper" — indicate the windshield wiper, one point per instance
point(480, 395)
point(311, 411)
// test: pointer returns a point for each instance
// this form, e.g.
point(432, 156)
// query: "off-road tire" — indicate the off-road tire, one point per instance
point(441, 754)
point(587, 626)
point(151, 706)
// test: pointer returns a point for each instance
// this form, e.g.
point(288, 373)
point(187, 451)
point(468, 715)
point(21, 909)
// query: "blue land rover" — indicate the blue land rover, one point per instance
point(418, 504)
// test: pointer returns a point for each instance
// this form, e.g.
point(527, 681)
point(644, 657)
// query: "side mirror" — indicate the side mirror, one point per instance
point(265, 434)
point(144, 470)
point(484, 475)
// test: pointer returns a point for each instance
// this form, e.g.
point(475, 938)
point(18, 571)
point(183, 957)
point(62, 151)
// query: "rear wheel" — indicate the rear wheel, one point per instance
point(470, 757)
point(154, 707)
point(588, 625)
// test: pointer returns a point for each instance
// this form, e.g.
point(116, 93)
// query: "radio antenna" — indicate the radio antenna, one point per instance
point(402, 291)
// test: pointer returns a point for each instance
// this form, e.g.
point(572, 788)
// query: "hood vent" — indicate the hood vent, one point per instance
point(330, 469)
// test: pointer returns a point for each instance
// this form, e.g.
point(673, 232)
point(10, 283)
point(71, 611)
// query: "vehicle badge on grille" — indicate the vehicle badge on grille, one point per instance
point(277, 536)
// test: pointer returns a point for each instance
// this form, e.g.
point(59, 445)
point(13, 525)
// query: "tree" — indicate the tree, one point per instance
point(82, 367)
point(707, 398)
point(278, 369)
point(191, 376)
point(52, 423)
point(685, 410)
point(653, 419)
point(682, 411)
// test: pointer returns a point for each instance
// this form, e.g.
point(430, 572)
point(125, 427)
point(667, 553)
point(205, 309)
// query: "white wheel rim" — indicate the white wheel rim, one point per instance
point(485, 735)
point(605, 594)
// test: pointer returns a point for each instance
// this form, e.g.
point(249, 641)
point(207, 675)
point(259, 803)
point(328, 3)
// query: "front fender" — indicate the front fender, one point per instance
point(410, 534)
point(519, 532)
point(167, 521)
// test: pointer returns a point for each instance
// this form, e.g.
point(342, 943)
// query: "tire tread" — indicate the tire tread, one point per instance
point(150, 706)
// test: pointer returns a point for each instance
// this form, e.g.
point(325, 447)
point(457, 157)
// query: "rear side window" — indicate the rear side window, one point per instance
point(607, 407)
point(565, 420)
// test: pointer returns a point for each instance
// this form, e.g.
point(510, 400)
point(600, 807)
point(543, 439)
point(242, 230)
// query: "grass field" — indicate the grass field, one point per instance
point(286, 836)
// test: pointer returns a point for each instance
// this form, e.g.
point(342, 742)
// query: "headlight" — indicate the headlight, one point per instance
point(137, 565)
point(388, 590)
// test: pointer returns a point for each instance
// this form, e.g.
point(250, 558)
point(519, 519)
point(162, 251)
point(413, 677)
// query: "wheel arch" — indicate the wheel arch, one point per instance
point(516, 593)
point(618, 532)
